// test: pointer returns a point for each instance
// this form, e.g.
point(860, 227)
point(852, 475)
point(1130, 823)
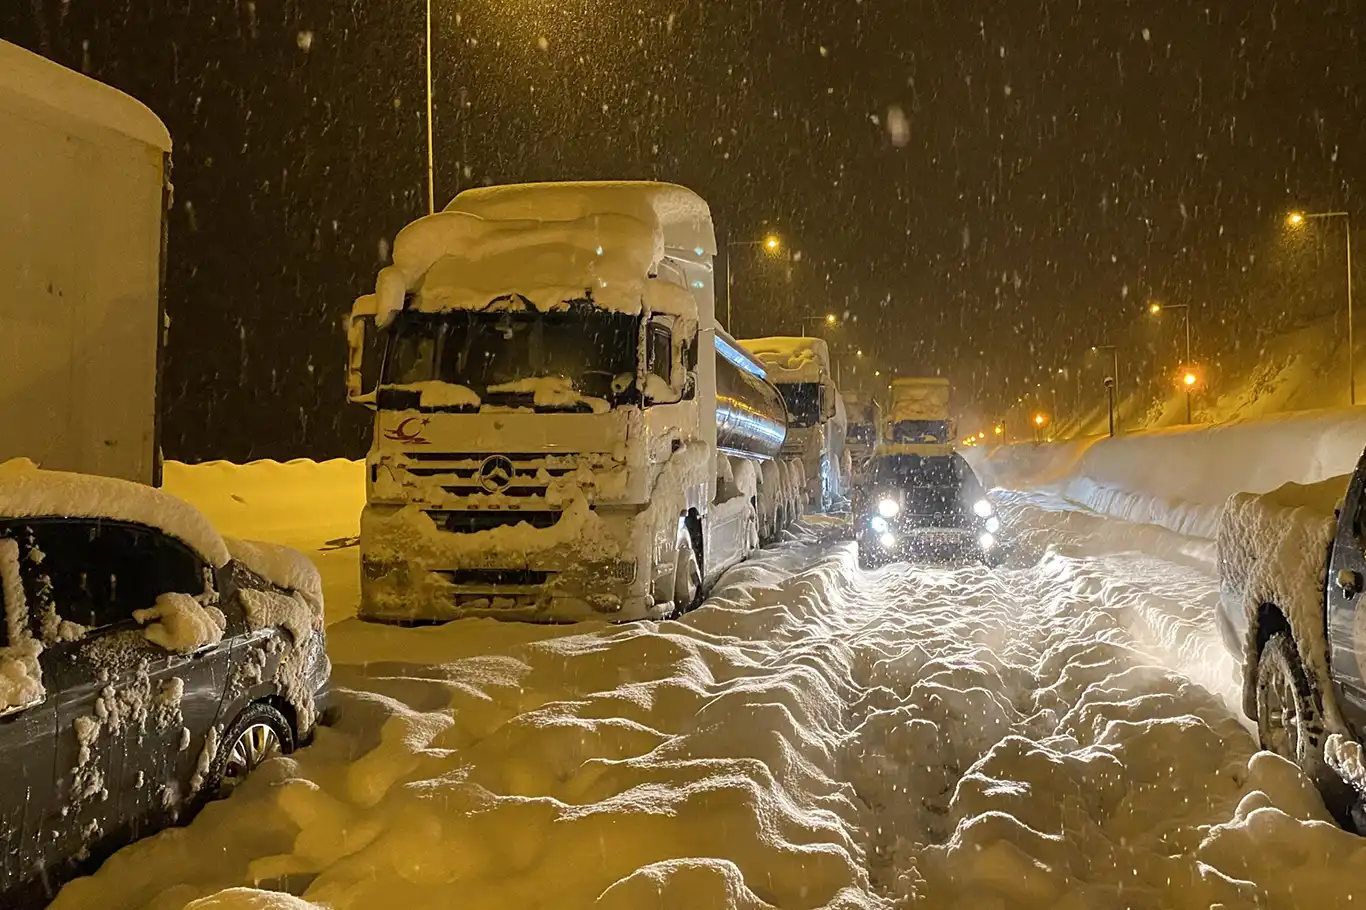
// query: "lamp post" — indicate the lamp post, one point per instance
point(1111, 382)
point(1297, 219)
point(431, 158)
point(1189, 380)
point(1185, 308)
point(828, 319)
point(772, 243)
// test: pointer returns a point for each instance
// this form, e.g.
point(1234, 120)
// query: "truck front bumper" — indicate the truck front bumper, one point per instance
point(429, 584)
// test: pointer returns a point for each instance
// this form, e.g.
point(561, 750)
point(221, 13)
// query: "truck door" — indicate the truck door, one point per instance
point(1346, 612)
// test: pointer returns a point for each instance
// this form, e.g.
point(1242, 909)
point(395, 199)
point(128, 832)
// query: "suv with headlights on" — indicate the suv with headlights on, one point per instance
point(917, 505)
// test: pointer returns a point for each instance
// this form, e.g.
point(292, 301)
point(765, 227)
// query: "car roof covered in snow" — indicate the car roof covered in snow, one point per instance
point(682, 217)
point(29, 492)
point(50, 85)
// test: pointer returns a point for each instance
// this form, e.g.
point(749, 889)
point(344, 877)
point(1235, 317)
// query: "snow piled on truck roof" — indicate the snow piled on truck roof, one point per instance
point(548, 245)
point(27, 75)
point(26, 491)
point(790, 359)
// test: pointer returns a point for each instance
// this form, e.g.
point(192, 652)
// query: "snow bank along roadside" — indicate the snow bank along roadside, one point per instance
point(313, 507)
point(1180, 478)
point(813, 737)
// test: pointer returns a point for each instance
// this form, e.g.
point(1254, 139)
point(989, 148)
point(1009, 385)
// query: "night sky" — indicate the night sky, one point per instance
point(984, 187)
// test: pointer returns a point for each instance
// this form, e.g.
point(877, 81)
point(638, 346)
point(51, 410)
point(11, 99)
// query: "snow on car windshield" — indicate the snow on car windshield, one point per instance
point(596, 351)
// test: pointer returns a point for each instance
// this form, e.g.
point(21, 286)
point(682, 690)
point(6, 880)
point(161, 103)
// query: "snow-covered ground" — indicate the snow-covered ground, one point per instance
point(1056, 733)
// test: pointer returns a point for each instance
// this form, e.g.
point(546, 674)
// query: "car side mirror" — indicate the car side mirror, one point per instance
point(360, 327)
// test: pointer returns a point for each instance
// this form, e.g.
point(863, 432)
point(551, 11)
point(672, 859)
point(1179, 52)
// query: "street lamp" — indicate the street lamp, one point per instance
point(1112, 382)
point(1156, 308)
point(431, 167)
point(829, 319)
point(1297, 219)
point(771, 244)
point(1189, 380)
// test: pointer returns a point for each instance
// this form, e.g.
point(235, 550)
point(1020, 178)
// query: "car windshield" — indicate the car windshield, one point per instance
point(594, 350)
point(914, 432)
point(803, 400)
point(912, 471)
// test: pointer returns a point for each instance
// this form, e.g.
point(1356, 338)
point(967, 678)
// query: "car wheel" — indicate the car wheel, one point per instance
point(259, 734)
point(687, 577)
point(1290, 723)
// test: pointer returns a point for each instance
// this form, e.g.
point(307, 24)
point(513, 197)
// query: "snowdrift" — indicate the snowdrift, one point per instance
point(814, 737)
point(1180, 478)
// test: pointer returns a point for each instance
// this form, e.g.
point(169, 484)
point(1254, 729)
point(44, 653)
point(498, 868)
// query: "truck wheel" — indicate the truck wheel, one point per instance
point(687, 577)
point(259, 733)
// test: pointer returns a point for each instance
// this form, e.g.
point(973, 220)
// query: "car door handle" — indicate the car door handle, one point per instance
point(1349, 582)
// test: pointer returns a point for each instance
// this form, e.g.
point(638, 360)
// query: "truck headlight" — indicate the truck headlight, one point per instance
point(982, 509)
point(993, 524)
point(888, 508)
point(879, 524)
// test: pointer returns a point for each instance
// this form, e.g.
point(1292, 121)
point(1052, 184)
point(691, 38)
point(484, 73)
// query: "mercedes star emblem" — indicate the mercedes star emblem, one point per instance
point(495, 474)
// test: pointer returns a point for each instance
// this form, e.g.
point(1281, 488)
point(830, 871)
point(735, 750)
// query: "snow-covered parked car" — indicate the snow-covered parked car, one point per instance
point(1292, 567)
point(146, 664)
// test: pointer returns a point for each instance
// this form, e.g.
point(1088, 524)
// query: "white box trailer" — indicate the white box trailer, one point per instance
point(84, 191)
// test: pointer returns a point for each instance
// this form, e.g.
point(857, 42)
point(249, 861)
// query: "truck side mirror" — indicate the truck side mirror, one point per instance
point(360, 331)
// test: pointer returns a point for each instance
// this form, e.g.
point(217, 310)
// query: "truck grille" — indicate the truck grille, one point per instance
point(496, 577)
point(473, 521)
point(532, 472)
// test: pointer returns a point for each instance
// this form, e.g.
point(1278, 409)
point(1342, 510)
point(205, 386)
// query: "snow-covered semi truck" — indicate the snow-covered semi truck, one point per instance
point(84, 192)
point(800, 368)
point(561, 429)
point(918, 413)
point(861, 434)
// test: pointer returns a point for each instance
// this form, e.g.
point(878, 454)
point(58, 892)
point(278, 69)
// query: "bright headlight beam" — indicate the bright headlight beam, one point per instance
point(987, 541)
point(888, 508)
point(879, 524)
point(982, 508)
point(887, 540)
point(993, 524)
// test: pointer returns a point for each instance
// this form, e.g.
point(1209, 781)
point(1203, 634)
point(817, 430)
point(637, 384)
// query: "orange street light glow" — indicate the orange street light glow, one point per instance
point(1296, 219)
point(1190, 379)
point(771, 243)
point(1039, 420)
point(1000, 430)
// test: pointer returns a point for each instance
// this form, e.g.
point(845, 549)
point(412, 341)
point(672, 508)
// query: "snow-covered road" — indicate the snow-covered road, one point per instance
point(1056, 733)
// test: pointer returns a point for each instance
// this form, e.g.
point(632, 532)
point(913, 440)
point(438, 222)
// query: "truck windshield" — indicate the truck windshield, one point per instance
point(595, 350)
point(803, 400)
point(861, 432)
point(913, 432)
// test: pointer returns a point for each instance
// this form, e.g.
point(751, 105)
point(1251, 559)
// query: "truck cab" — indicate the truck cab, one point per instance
point(801, 369)
point(561, 430)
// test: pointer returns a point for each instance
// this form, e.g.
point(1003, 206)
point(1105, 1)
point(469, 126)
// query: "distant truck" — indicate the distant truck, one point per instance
point(83, 203)
point(562, 431)
point(1292, 571)
point(800, 368)
point(864, 418)
point(918, 413)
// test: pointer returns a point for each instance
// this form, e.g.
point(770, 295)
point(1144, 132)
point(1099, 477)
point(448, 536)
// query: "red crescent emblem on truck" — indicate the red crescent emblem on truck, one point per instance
point(401, 433)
